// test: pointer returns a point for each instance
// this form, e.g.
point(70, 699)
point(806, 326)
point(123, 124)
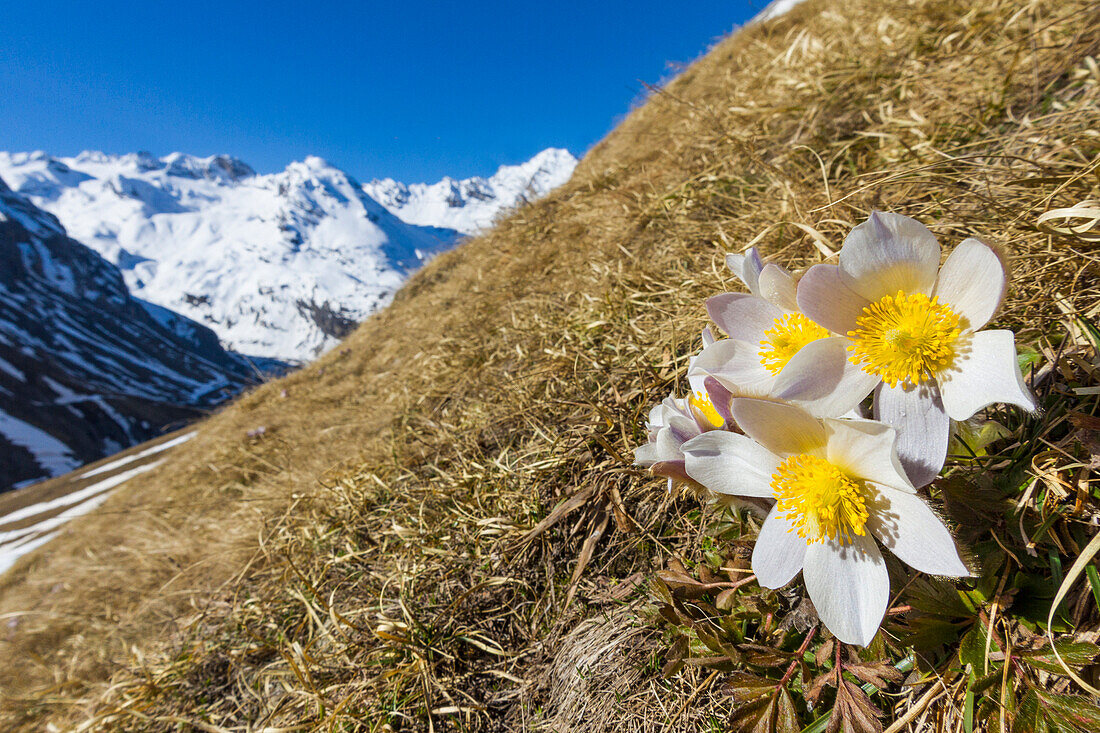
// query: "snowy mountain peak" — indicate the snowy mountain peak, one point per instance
point(269, 262)
point(471, 205)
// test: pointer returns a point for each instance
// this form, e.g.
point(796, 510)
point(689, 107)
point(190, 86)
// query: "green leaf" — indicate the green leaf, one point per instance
point(928, 632)
point(1070, 713)
point(972, 650)
point(1075, 654)
point(1029, 717)
point(937, 597)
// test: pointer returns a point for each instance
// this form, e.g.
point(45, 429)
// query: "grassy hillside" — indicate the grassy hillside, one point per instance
point(440, 527)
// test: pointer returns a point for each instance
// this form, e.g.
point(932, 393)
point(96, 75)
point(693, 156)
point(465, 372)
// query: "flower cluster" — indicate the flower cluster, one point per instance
point(776, 413)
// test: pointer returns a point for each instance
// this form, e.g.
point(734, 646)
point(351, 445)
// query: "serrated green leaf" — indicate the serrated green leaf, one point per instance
point(936, 597)
point(1069, 713)
point(1029, 717)
point(1074, 653)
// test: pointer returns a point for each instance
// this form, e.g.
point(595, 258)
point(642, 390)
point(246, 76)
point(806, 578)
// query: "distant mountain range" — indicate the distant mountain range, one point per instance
point(86, 369)
point(190, 263)
point(473, 204)
point(280, 265)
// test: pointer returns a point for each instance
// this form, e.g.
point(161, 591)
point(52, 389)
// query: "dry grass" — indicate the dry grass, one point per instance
point(441, 529)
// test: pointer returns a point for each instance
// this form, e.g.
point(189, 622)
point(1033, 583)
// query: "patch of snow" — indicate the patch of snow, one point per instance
point(139, 455)
point(51, 454)
point(774, 9)
point(10, 553)
point(16, 543)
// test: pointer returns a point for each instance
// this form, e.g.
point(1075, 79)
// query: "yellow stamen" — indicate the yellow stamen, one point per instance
point(905, 337)
point(819, 500)
point(788, 334)
point(704, 410)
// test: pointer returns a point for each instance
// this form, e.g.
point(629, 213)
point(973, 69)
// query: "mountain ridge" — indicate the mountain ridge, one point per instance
point(86, 369)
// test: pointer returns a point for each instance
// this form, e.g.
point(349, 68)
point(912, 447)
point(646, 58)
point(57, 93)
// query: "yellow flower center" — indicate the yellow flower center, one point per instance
point(704, 410)
point(819, 500)
point(905, 337)
point(788, 334)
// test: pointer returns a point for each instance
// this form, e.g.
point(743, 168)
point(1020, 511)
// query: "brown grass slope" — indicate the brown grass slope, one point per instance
point(440, 528)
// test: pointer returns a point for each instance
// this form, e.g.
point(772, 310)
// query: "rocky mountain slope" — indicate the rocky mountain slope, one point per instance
point(85, 368)
point(471, 205)
point(280, 265)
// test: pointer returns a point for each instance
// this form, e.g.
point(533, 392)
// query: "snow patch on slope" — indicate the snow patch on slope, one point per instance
point(51, 454)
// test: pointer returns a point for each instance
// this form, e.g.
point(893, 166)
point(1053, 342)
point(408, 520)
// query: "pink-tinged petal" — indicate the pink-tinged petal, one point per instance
point(913, 532)
point(849, 586)
point(972, 282)
point(781, 428)
point(866, 449)
point(729, 463)
point(888, 253)
point(822, 380)
point(747, 267)
point(924, 429)
point(682, 428)
point(985, 372)
point(720, 397)
point(672, 470)
point(736, 366)
point(743, 317)
point(778, 287)
point(824, 299)
point(777, 556)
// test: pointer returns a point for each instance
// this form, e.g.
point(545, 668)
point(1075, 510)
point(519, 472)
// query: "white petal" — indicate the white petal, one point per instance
point(778, 287)
point(778, 554)
point(729, 463)
point(924, 429)
point(865, 449)
point(972, 282)
point(849, 586)
point(683, 428)
point(736, 366)
point(913, 532)
point(646, 455)
point(826, 301)
point(888, 253)
point(781, 428)
point(669, 445)
point(985, 372)
point(743, 317)
point(747, 267)
point(822, 380)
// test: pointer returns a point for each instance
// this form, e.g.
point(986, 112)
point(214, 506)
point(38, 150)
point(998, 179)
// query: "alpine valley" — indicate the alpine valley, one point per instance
point(132, 287)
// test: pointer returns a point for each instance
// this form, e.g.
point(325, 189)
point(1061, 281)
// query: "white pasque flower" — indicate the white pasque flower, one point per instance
point(914, 327)
point(773, 350)
point(671, 423)
point(837, 485)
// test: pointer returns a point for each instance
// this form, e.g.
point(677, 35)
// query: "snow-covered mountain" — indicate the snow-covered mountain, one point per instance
point(85, 368)
point(472, 204)
point(279, 265)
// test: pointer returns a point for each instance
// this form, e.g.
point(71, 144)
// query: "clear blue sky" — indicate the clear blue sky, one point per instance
point(409, 89)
